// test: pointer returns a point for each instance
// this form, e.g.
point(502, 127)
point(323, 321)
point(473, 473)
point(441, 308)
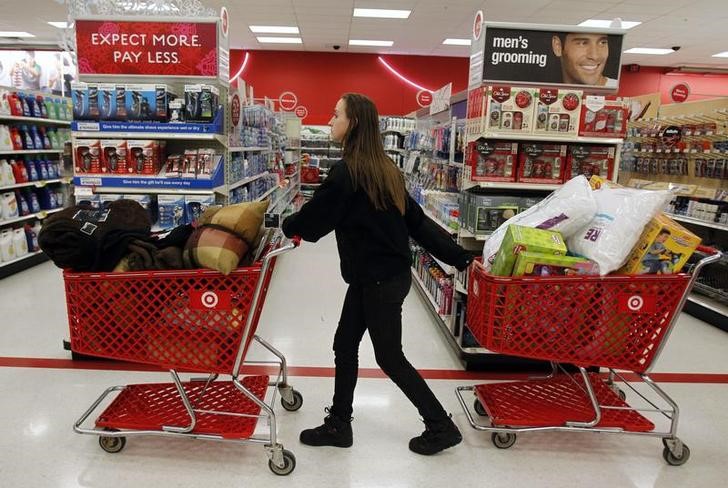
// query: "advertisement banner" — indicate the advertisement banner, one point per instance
point(147, 48)
point(441, 99)
point(557, 56)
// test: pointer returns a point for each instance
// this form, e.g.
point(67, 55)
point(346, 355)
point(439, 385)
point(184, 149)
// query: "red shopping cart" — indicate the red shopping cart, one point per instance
point(191, 321)
point(620, 323)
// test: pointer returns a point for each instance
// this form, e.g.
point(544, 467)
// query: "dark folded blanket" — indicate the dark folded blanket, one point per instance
point(146, 256)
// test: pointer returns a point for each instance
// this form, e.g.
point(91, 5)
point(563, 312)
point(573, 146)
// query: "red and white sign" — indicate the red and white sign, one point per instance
point(478, 25)
point(147, 48)
point(639, 304)
point(288, 101)
point(424, 98)
point(301, 112)
point(235, 110)
point(210, 300)
point(680, 92)
point(224, 21)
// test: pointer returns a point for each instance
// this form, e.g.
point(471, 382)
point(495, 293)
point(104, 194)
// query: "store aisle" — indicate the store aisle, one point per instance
point(41, 403)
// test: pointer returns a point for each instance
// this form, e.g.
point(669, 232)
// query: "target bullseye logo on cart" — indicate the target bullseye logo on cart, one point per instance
point(210, 300)
point(635, 303)
point(639, 304)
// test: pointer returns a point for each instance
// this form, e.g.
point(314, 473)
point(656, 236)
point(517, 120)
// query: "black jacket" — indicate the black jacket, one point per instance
point(373, 244)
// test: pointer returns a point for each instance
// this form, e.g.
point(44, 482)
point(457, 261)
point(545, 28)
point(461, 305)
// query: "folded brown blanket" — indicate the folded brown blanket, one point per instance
point(145, 256)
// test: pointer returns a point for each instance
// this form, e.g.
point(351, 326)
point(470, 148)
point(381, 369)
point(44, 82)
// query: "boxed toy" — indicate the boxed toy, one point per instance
point(195, 205)
point(113, 156)
point(542, 163)
point(510, 109)
point(520, 239)
point(171, 211)
point(107, 101)
point(87, 156)
point(663, 248)
point(537, 264)
point(143, 157)
point(603, 117)
point(492, 160)
point(590, 161)
point(557, 111)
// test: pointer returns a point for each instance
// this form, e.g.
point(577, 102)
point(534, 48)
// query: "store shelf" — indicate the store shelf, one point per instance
point(444, 226)
point(212, 131)
point(450, 270)
point(152, 135)
point(291, 175)
point(23, 258)
point(32, 151)
point(282, 198)
point(507, 185)
point(37, 184)
point(157, 191)
point(40, 215)
point(704, 223)
point(708, 309)
point(265, 195)
point(426, 293)
point(548, 138)
point(23, 263)
point(245, 181)
point(249, 149)
point(38, 120)
point(460, 287)
point(469, 235)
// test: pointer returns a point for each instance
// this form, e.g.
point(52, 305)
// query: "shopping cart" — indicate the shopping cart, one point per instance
point(191, 321)
point(620, 323)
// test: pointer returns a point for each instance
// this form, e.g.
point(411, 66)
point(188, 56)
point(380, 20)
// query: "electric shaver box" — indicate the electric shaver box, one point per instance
point(147, 102)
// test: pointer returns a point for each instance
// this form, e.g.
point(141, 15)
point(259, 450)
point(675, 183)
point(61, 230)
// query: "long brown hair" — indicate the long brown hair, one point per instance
point(369, 166)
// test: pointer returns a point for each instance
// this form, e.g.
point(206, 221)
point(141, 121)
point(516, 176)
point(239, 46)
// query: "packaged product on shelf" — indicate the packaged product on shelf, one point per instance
point(107, 101)
point(79, 97)
point(23, 206)
point(164, 94)
point(488, 212)
point(143, 157)
point(6, 142)
point(663, 248)
point(7, 251)
point(171, 211)
point(121, 113)
point(173, 167)
point(189, 167)
point(113, 156)
point(87, 156)
point(7, 177)
point(106, 198)
point(19, 171)
point(141, 101)
point(542, 163)
point(32, 198)
point(26, 137)
point(590, 160)
point(4, 101)
point(527, 202)
point(539, 264)
point(93, 200)
point(603, 117)
point(492, 160)
point(195, 205)
point(20, 243)
point(176, 111)
point(510, 109)
point(557, 111)
point(201, 102)
point(476, 120)
point(9, 206)
point(31, 238)
point(31, 169)
point(520, 239)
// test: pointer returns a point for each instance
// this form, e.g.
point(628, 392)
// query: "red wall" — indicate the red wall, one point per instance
point(651, 80)
point(319, 79)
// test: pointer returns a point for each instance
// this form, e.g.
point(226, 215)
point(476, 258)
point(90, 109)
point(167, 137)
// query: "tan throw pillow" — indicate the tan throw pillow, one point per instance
point(244, 219)
point(215, 248)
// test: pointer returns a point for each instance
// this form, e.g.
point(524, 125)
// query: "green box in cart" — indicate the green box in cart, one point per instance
point(520, 239)
point(537, 264)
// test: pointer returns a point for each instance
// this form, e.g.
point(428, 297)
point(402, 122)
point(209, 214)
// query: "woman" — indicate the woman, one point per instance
point(365, 201)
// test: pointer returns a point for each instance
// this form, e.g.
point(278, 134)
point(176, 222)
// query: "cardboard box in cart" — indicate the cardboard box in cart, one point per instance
point(520, 239)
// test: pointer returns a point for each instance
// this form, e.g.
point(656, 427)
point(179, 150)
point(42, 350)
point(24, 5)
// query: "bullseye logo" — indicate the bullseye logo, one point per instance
point(210, 300)
point(635, 303)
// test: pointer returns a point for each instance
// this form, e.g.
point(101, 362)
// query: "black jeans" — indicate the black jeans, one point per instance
point(378, 308)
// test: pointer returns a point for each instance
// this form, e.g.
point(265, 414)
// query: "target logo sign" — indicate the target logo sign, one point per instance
point(210, 300)
point(639, 304)
point(288, 101)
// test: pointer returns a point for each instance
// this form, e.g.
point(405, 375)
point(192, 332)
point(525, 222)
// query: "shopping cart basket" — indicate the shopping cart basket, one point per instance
point(616, 322)
point(193, 321)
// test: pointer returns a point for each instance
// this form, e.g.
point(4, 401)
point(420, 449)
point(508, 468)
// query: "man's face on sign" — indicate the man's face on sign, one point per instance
point(583, 57)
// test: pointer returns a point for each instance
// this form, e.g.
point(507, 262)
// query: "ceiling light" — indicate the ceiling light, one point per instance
point(15, 34)
point(273, 29)
point(626, 24)
point(363, 42)
point(648, 50)
point(456, 42)
point(724, 54)
point(382, 13)
point(280, 40)
point(60, 25)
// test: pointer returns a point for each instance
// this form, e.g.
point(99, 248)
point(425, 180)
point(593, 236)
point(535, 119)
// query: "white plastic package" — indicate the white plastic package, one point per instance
point(566, 210)
point(622, 214)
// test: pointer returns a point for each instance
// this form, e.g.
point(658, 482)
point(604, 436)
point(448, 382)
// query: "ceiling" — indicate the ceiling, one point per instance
point(697, 26)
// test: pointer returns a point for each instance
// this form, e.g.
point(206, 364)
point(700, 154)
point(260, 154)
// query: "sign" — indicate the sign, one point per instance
point(478, 25)
point(301, 112)
point(559, 56)
point(235, 110)
point(424, 98)
point(224, 21)
point(475, 70)
point(680, 92)
point(147, 48)
point(441, 99)
point(210, 300)
point(288, 101)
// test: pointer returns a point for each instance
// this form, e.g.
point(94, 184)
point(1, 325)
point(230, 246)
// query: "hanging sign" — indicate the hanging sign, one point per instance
point(441, 99)
point(224, 21)
point(147, 48)
point(287, 101)
point(301, 112)
point(424, 98)
point(680, 92)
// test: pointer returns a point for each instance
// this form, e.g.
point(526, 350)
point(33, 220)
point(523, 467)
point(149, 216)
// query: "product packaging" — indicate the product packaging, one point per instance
point(519, 239)
point(147, 102)
point(538, 264)
point(557, 111)
point(107, 101)
point(93, 200)
point(171, 211)
point(488, 212)
point(195, 205)
point(201, 102)
point(9, 205)
point(79, 97)
point(113, 156)
point(663, 248)
point(542, 163)
point(604, 117)
point(511, 109)
point(189, 163)
point(492, 160)
point(87, 156)
point(205, 163)
point(121, 113)
point(143, 157)
point(145, 201)
point(106, 198)
point(590, 160)
point(176, 111)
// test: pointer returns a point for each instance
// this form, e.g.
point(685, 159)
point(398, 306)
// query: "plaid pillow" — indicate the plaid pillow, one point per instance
point(215, 248)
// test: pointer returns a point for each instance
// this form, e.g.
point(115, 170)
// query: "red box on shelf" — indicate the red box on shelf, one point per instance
point(604, 117)
point(113, 156)
point(590, 160)
point(143, 157)
point(492, 160)
point(541, 163)
point(86, 156)
point(510, 109)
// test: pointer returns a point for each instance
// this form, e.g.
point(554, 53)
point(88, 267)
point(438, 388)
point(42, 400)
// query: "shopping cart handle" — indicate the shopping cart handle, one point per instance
point(708, 250)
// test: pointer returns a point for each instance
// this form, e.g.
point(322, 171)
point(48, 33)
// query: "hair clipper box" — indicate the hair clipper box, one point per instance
point(557, 111)
point(195, 205)
point(171, 211)
point(510, 109)
point(121, 113)
point(542, 163)
point(590, 161)
point(141, 102)
point(80, 101)
point(492, 160)
point(201, 102)
point(87, 156)
point(106, 101)
point(603, 117)
point(113, 156)
point(143, 157)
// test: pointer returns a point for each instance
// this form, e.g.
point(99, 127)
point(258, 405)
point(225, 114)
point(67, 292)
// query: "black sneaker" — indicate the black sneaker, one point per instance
point(333, 432)
point(436, 437)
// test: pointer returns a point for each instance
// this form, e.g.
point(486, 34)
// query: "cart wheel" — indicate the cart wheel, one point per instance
point(673, 460)
point(503, 440)
point(112, 444)
point(296, 404)
point(479, 409)
point(289, 464)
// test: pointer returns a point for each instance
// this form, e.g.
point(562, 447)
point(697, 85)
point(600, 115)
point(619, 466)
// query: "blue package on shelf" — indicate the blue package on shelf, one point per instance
point(215, 127)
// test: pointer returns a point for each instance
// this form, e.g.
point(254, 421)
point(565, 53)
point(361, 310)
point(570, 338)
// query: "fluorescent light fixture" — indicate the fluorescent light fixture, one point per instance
point(15, 34)
point(648, 50)
point(363, 42)
point(382, 13)
point(280, 40)
point(456, 42)
point(60, 25)
point(273, 29)
point(724, 54)
point(626, 24)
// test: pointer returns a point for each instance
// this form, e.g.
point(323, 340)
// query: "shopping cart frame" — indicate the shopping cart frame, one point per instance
point(675, 452)
point(281, 461)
